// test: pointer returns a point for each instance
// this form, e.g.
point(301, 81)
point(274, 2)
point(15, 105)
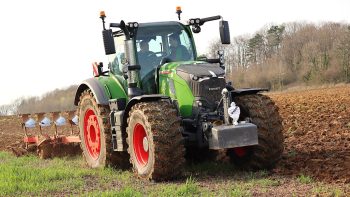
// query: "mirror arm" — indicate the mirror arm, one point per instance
point(212, 18)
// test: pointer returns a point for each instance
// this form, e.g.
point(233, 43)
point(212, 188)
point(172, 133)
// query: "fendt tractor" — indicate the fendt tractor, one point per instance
point(159, 100)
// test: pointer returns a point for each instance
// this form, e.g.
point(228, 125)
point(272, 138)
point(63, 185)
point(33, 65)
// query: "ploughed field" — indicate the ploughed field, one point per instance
point(317, 133)
point(316, 129)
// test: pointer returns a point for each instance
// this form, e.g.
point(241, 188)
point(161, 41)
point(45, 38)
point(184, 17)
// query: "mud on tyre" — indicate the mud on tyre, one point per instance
point(263, 112)
point(94, 126)
point(155, 140)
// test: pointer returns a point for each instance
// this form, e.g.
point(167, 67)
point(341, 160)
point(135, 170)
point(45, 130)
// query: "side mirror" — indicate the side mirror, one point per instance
point(224, 32)
point(108, 41)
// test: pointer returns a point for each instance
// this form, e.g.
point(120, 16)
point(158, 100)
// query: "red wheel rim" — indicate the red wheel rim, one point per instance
point(141, 147)
point(92, 134)
point(240, 151)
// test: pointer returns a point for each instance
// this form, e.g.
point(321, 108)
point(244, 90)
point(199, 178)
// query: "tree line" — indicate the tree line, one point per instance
point(56, 100)
point(280, 56)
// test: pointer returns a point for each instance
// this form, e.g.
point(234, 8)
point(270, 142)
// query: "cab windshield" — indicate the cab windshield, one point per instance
point(157, 41)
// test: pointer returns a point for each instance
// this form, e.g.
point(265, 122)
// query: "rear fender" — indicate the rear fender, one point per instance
point(96, 88)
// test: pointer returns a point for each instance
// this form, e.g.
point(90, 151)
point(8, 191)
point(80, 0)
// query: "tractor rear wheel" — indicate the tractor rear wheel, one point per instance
point(155, 140)
point(262, 112)
point(95, 135)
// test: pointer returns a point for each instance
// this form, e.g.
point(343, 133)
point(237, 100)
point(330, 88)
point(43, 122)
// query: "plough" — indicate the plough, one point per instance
point(51, 133)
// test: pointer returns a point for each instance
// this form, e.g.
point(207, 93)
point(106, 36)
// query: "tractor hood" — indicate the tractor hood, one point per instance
point(199, 70)
point(205, 82)
point(190, 81)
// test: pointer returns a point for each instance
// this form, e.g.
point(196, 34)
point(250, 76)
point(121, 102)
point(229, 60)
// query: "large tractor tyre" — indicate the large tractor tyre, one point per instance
point(95, 135)
point(263, 112)
point(155, 141)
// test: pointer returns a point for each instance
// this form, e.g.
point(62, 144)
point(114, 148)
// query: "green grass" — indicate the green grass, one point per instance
point(304, 179)
point(240, 191)
point(267, 182)
point(324, 190)
point(189, 188)
point(31, 176)
point(125, 192)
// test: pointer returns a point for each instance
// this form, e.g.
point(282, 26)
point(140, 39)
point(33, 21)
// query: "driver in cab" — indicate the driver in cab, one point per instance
point(146, 57)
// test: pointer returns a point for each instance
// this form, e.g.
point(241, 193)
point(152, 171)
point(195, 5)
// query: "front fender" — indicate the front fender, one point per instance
point(138, 99)
point(97, 89)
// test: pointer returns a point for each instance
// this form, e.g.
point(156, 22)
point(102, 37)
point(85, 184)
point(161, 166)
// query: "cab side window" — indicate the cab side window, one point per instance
point(117, 60)
point(185, 41)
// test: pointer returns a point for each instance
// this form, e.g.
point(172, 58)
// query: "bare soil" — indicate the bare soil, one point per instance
point(317, 133)
point(316, 130)
point(10, 132)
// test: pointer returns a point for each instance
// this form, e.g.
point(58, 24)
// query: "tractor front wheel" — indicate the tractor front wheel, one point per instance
point(95, 134)
point(262, 112)
point(155, 140)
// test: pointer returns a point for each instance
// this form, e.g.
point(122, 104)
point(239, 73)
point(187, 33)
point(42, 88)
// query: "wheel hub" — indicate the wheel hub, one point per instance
point(92, 134)
point(145, 144)
point(140, 145)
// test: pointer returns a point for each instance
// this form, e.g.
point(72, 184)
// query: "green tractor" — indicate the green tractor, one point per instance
point(159, 100)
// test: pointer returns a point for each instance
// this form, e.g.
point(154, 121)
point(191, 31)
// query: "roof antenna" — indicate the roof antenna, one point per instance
point(178, 11)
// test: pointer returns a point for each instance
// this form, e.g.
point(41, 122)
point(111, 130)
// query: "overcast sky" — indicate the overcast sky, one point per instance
point(48, 44)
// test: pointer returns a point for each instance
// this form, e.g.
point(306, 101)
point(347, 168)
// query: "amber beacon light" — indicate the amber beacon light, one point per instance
point(178, 11)
point(102, 14)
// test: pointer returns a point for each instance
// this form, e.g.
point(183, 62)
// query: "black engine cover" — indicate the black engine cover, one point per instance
point(205, 80)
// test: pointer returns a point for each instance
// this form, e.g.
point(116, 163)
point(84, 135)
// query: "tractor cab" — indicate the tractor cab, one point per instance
point(138, 51)
point(165, 40)
point(156, 44)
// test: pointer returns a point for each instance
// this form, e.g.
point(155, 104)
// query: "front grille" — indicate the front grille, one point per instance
point(208, 89)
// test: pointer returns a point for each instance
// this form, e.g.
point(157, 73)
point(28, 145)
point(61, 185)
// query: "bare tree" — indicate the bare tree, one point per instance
point(292, 53)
